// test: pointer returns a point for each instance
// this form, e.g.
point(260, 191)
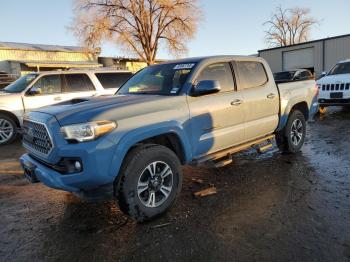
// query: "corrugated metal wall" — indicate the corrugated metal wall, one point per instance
point(46, 56)
point(275, 56)
point(336, 49)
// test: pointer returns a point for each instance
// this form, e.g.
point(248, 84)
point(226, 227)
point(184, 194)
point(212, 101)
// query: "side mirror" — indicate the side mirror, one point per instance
point(206, 87)
point(323, 74)
point(34, 91)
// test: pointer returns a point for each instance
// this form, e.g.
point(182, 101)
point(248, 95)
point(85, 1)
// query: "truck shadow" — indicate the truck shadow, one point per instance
point(271, 208)
point(253, 200)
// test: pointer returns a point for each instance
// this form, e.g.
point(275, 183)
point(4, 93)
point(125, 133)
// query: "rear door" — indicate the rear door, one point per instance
point(47, 90)
point(217, 120)
point(77, 85)
point(260, 99)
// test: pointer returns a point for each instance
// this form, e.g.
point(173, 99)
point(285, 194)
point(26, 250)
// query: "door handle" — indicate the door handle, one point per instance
point(236, 102)
point(58, 98)
point(271, 96)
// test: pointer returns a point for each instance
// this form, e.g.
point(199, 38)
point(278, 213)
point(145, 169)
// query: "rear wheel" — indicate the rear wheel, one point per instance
point(292, 137)
point(7, 129)
point(151, 178)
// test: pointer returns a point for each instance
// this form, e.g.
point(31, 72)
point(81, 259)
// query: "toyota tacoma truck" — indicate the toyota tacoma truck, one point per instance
point(335, 86)
point(131, 146)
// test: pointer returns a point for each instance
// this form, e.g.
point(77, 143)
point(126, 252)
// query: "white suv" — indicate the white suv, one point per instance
point(47, 88)
point(335, 86)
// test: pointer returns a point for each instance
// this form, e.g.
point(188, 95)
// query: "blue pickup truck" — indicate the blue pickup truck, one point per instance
point(130, 146)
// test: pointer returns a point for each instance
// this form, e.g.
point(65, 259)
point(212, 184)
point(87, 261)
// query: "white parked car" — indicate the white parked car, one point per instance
point(47, 88)
point(335, 86)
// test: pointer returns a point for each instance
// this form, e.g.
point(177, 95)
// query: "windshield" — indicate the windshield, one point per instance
point(20, 84)
point(288, 75)
point(165, 79)
point(342, 68)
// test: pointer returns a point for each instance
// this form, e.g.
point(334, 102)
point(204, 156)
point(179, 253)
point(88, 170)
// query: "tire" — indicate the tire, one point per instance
point(322, 110)
point(292, 137)
point(8, 131)
point(141, 196)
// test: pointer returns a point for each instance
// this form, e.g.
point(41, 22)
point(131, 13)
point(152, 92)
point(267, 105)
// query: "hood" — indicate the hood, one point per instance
point(102, 108)
point(7, 98)
point(3, 93)
point(333, 79)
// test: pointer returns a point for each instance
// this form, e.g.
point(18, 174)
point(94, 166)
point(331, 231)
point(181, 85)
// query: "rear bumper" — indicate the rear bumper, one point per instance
point(333, 102)
point(313, 110)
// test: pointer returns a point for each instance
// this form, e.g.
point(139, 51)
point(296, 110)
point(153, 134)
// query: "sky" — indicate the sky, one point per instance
point(229, 26)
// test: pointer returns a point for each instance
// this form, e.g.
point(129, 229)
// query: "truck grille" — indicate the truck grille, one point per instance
point(336, 87)
point(36, 137)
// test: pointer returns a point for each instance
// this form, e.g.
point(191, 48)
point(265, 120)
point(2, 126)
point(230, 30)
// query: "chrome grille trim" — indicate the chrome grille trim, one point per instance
point(335, 87)
point(38, 140)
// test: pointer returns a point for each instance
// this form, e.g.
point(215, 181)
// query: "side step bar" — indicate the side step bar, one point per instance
point(223, 157)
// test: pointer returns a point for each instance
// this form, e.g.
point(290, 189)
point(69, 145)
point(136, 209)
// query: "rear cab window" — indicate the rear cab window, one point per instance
point(252, 74)
point(220, 72)
point(113, 80)
point(77, 83)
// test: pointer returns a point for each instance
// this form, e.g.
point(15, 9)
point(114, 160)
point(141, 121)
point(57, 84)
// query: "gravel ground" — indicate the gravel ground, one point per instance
point(269, 207)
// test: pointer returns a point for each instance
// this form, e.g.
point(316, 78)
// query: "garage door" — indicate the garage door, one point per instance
point(301, 58)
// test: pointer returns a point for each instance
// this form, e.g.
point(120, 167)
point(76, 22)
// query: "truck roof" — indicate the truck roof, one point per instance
point(213, 58)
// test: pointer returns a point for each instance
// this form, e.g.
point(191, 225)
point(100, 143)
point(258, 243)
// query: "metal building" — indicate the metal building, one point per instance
point(125, 63)
point(21, 58)
point(318, 56)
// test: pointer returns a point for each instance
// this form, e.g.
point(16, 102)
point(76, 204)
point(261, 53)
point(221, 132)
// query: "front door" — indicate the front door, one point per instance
point(217, 120)
point(47, 90)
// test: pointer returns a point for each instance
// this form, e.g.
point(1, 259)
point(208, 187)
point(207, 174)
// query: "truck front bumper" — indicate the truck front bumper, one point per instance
point(334, 102)
point(35, 171)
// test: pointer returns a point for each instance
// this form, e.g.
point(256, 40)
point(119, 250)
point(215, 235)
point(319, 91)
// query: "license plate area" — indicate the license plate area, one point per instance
point(337, 95)
point(29, 172)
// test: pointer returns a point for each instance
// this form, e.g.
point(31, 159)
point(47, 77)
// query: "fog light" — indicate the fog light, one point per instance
point(77, 166)
point(69, 165)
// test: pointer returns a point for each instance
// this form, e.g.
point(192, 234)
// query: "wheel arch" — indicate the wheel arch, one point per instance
point(302, 106)
point(174, 138)
point(12, 116)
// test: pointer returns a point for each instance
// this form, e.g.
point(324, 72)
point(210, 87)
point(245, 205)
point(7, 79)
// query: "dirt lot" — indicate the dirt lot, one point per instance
point(272, 207)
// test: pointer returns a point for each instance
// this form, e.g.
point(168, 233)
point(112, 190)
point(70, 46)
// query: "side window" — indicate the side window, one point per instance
point(253, 74)
point(113, 80)
point(305, 74)
point(46, 85)
point(221, 72)
point(78, 83)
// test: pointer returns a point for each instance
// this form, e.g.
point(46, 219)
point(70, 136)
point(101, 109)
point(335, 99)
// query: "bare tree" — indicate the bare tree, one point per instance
point(140, 26)
point(289, 26)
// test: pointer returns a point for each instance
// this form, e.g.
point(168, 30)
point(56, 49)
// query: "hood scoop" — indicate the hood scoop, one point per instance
point(74, 101)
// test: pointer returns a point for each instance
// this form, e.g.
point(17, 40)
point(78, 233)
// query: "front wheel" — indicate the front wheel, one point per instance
point(7, 130)
point(292, 137)
point(151, 178)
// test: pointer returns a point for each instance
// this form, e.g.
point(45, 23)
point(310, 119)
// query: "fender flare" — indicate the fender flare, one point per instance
point(286, 109)
point(128, 140)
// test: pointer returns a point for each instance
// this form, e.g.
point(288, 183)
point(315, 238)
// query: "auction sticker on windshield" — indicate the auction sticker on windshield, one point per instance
point(184, 66)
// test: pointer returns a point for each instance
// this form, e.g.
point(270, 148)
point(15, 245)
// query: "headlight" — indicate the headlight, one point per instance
point(87, 131)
